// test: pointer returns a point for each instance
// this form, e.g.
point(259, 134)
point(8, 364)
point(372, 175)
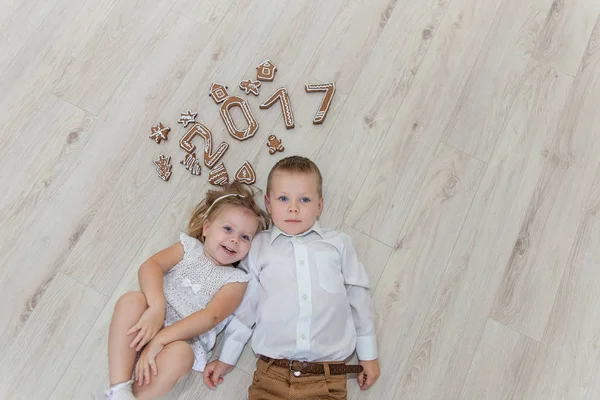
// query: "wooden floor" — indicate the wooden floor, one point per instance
point(461, 152)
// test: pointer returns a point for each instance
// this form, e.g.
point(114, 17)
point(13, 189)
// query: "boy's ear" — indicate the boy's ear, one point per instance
point(267, 204)
point(320, 205)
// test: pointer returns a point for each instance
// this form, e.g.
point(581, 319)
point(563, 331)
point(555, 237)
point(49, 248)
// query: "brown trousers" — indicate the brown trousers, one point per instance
point(276, 383)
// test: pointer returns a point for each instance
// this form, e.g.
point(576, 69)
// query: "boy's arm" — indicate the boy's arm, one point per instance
point(239, 329)
point(357, 289)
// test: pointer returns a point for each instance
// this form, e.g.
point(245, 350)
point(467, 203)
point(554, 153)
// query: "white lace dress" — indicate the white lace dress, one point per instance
point(189, 286)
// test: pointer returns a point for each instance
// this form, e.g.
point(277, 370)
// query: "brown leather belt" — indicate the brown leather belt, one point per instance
point(305, 367)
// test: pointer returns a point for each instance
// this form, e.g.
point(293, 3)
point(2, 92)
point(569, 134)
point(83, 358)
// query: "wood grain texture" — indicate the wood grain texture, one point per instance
point(531, 279)
point(567, 358)
point(395, 176)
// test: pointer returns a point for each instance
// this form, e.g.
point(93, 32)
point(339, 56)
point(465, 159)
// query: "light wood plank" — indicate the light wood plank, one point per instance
point(129, 209)
point(209, 13)
point(439, 361)
point(566, 33)
point(35, 71)
point(55, 134)
point(18, 22)
point(593, 391)
point(483, 106)
point(503, 357)
point(533, 274)
point(70, 205)
point(354, 137)
point(92, 78)
point(373, 254)
point(63, 312)
point(392, 182)
point(414, 270)
point(566, 360)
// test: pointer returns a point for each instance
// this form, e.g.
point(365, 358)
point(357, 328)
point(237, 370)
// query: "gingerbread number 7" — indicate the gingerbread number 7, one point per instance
point(329, 89)
point(210, 158)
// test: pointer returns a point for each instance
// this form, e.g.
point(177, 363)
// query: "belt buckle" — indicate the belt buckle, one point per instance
point(296, 373)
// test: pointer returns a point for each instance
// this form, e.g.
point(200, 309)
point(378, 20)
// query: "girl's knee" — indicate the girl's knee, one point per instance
point(131, 301)
point(180, 356)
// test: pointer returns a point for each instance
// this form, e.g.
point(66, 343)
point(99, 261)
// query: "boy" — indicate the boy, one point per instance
point(308, 299)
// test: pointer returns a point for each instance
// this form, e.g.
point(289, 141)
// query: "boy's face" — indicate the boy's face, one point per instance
point(294, 202)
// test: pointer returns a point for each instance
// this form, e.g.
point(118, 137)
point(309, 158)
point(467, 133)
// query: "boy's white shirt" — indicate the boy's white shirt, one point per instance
point(303, 288)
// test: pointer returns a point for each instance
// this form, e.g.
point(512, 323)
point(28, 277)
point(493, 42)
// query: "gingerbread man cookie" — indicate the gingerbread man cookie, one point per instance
point(192, 164)
point(266, 71)
point(329, 89)
point(159, 132)
point(235, 101)
point(250, 86)
point(274, 145)
point(245, 174)
point(187, 118)
point(163, 166)
point(219, 175)
point(218, 92)
point(210, 157)
point(281, 94)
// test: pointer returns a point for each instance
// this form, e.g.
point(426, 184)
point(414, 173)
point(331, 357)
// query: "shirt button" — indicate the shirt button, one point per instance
point(303, 337)
point(304, 297)
point(302, 263)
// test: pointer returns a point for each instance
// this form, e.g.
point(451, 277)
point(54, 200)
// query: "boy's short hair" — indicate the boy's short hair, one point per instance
point(297, 164)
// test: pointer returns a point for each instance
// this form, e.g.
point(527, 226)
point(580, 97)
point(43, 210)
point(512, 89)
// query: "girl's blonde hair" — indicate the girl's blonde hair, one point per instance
point(239, 195)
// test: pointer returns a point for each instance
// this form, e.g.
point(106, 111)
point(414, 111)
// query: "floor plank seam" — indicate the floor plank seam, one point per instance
point(513, 329)
point(464, 152)
point(51, 93)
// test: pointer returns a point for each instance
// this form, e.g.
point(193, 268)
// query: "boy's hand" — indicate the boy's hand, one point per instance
point(367, 378)
point(147, 327)
point(214, 371)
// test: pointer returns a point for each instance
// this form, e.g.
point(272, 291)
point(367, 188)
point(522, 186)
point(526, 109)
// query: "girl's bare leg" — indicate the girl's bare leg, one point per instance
point(121, 358)
point(173, 363)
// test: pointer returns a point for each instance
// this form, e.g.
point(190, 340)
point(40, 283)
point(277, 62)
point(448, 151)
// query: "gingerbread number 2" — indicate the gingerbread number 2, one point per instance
point(210, 158)
point(286, 107)
point(329, 89)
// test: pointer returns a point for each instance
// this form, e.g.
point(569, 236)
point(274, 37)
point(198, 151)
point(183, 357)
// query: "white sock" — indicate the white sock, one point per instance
point(120, 391)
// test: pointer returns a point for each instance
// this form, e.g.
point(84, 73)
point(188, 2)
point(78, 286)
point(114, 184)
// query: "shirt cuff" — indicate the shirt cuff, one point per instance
point(366, 347)
point(235, 338)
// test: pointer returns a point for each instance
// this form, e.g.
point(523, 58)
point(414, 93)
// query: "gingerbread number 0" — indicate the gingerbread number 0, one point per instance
point(235, 101)
point(329, 89)
point(210, 158)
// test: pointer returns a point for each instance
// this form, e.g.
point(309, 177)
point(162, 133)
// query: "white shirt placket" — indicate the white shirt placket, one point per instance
point(304, 298)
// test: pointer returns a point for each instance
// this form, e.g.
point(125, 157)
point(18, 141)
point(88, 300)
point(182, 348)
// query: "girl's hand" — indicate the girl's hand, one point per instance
point(146, 365)
point(147, 327)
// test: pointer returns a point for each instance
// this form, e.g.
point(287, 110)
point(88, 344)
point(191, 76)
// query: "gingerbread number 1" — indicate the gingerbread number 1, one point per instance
point(286, 107)
point(329, 89)
point(210, 158)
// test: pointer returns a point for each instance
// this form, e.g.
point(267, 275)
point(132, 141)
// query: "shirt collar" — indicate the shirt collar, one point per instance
point(275, 232)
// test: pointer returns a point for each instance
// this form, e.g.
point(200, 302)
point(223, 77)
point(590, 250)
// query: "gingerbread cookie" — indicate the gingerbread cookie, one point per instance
point(210, 157)
point(274, 144)
point(187, 118)
point(286, 107)
point(329, 89)
point(159, 132)
point(245, 174)
point(218, 92)
point(266, 71)
point(235, 101)
point(163, 166)
point(219, 175)
point(192, 164)
point(250, 86)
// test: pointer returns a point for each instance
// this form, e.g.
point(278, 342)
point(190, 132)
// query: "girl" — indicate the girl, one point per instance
point(189, 291)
